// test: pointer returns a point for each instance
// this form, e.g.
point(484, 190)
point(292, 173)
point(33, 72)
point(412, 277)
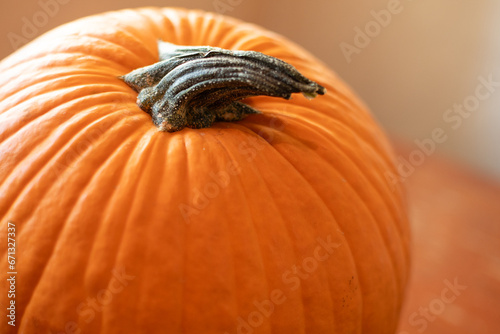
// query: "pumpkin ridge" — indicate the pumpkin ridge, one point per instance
point(38, 54)
point(138, 43)
point(305, 316)
point(51, 77)
point(29, 152)
point(60, 99)
point(256, 234)
point(120, 57)
point(107, 86)
point(232, 38)
point(48, 113)
point(359, 130)
point(382, 163)
point(51, 163)
point(218, 28)
point(58, 240)
point(177, 19)
point(376, 187)
point(376, 222)
point(204, 31)
point(271, 198)
point(163, 25)
point(314, 191)
point(196, 22)
point(379, 188)
point(150, 142)
point(247, 210)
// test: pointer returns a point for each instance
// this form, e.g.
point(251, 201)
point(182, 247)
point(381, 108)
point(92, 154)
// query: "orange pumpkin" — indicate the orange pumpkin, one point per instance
point(283, 222)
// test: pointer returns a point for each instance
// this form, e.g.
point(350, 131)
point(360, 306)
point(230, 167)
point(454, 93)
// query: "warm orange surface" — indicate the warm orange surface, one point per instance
point(206, 224)
point(455, 217)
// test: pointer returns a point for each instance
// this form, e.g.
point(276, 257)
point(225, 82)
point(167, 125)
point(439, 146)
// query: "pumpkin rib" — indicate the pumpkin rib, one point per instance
point(341, 147)
point(144, 142)
point(359, 132)
point(297, 260)
point(247, 209)
point(23, 83)
point(230, 36)
point(59, 152)
point(287, 229)
point(49, 165)
point(97, 46)
point(91, 177)
point(182, 30)
point(380, 188)
point(319, 125)
point(186, 158)
point(375, 220)
point(253, 224)
point(190, 288)
point(337, 144)
point(123, 251)
point(348, 157)
point(151, 17)
point(83, 101)
point(60, 232)
point(125, 37)
point(193, 173)
point(141, 57)
point(20, 231)
point(195, 24)
point(261, 252)
point(292, 166)
point(168, 27)
point(71, 46)
point(265, 44)
point(219, 28)
point(360, 127)
point(49, 89)
point(332, 215)
point(380, 150)
point(144, 147)
point(207, 28)
point(356, 119)
point(59, 100)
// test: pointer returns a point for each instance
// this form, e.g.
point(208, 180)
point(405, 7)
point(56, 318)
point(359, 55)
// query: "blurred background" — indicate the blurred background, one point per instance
point(430, 72)
point(414, 63)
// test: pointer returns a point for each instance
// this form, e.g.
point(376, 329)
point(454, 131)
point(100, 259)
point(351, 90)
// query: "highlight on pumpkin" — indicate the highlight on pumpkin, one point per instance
point(195, 86)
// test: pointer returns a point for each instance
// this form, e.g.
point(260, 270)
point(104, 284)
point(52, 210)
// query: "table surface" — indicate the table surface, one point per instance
point(455, 279)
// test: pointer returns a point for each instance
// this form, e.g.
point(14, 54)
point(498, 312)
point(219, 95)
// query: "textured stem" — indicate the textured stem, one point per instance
point(194, 86)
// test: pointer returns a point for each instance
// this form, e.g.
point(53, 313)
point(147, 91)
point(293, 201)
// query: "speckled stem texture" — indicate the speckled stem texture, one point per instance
point(194, 86)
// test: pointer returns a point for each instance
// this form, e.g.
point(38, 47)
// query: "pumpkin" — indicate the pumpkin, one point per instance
point(284, 221)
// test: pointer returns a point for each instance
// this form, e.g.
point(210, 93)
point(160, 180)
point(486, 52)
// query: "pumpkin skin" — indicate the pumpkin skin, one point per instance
point(121, 228)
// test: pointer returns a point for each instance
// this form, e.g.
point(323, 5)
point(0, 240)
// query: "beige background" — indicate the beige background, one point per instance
point(427, 59)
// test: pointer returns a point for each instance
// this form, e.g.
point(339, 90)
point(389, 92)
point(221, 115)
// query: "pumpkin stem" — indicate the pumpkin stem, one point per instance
point(194, 86)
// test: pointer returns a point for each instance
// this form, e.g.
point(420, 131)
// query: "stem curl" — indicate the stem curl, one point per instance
point(194, 86)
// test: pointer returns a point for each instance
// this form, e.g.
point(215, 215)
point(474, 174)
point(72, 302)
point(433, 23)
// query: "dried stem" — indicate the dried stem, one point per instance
point(194, 86)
